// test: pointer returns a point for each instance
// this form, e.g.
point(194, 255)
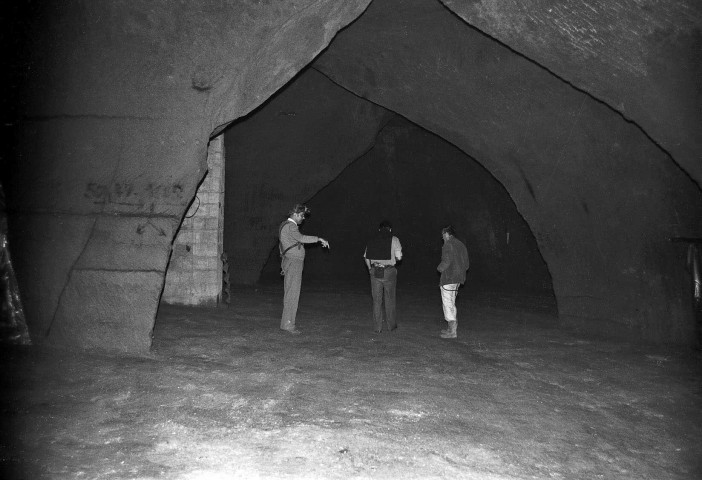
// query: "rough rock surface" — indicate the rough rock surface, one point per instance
point(643, 58)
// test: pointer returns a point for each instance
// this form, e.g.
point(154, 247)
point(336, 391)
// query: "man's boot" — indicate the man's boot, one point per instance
point(450, 331)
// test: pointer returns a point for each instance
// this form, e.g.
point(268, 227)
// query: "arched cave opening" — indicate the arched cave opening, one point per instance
point(383, 166)
point(591, 185)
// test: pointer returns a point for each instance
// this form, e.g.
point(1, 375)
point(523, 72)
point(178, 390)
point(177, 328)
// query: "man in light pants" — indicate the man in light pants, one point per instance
point(453, 266)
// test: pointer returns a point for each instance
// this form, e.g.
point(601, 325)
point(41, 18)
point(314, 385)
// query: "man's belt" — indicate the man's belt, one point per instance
point(283, 252)
point(380, 265)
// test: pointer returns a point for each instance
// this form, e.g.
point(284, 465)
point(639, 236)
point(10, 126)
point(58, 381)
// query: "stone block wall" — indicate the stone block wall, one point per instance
point(194, 275)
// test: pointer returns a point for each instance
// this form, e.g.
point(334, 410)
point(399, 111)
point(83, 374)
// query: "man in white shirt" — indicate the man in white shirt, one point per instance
point(382, 253)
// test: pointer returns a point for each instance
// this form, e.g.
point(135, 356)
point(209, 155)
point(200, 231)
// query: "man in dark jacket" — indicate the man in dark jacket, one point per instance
point(453, 266)
point(382, 253)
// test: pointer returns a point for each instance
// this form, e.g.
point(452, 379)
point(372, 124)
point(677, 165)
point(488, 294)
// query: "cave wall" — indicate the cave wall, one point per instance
point(421, 183)
point(113, 106)
point(643, 59)
point(601, 197)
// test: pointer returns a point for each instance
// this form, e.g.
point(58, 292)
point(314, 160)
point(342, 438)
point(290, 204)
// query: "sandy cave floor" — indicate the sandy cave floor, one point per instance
point(226, 395)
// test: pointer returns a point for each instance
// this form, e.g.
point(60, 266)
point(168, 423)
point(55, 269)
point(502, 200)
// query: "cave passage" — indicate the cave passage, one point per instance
point(396, 170)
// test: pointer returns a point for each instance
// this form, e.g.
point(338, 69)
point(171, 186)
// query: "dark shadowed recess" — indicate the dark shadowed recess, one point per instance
point(414, 178)
point(420, 183)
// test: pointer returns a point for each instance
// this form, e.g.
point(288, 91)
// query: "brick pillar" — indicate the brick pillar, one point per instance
point(194, 275)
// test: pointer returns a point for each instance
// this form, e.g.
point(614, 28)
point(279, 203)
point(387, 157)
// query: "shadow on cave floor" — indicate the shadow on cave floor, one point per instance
point(225, 394)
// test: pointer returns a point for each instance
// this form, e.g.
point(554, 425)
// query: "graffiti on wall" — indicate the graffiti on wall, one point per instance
point(126, 193)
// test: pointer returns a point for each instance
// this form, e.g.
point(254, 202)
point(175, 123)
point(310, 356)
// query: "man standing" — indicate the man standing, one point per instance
point(292, 254)
point(382, 253)
point(453, 266)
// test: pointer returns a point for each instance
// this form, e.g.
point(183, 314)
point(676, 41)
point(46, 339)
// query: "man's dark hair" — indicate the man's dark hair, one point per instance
point(449, 229)
point(300, 208)
point(385, 225)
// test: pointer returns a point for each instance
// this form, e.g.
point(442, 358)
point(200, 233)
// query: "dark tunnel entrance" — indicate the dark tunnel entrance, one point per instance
point(421, 183)
point(355, 163)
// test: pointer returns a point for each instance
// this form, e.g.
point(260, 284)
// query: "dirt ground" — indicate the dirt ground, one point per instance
point(226, 395)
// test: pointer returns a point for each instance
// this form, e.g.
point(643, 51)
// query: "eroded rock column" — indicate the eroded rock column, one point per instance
point(194, 275)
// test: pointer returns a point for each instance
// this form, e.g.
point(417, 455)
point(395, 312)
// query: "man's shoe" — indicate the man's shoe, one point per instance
point(294, 331)
point(451, 331)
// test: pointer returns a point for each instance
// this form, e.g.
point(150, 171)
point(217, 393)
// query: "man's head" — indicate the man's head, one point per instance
point(385, 225)
point(299, 212)
point(447, 232)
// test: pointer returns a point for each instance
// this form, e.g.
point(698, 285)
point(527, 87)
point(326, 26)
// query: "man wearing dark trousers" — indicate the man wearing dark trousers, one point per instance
point(292, 252)
point(382, 253)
